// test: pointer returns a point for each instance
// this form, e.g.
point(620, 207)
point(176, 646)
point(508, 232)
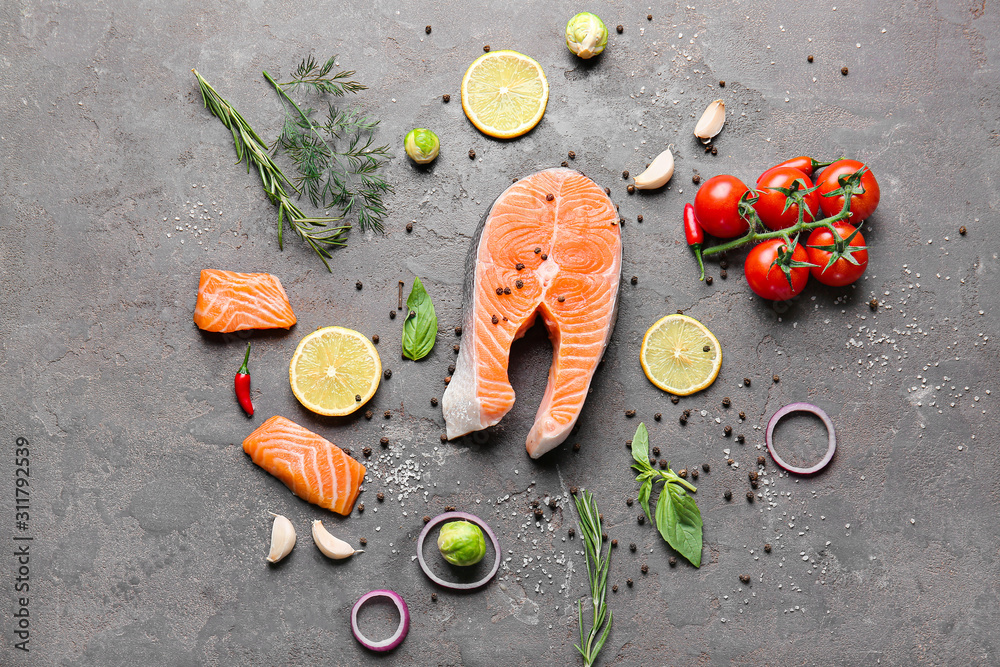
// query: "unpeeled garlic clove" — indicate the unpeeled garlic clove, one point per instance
point(711, 121)
point(282, 538)
point(657, 173)
point(330, 545)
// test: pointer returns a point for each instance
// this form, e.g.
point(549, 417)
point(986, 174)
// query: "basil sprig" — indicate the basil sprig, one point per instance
point(420, 327)
point(677, 515)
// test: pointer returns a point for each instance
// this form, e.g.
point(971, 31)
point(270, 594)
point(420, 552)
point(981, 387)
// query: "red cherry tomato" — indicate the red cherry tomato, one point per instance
point(717, 206)
point(841, 272)
point(770, 205)
point(862, 204)
point(769, 281)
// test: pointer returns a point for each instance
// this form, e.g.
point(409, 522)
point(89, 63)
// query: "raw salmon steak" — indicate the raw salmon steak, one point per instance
point(230, 301)
point(550, 245)
point(311, 466)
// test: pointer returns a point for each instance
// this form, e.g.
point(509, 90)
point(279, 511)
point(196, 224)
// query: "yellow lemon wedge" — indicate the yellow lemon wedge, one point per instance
point(334, 371)
point(504, 93)
point(680, 355)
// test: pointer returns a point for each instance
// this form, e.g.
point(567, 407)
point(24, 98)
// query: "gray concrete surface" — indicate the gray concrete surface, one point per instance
point(150, 525)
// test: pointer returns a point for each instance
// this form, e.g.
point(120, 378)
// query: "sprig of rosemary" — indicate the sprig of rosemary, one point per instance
point(336, 158)
point(319, 233)
point(597, 572)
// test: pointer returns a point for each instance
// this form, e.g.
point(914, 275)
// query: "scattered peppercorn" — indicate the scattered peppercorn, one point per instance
point(745, 578)
point(696, 179)
point(683, 420)
point(518, 284)
point(752, 475)
point(730, 461)
point(449, 508)
point(663, 463)
point(539, 513)
point(494, 319)
point(629, 501)
point(687, 413)
point(641, 519)
point(634, 280)
point(614, 544)
point(726, 402)
point(358, 285)
point(380, 496)
point(486, 48)
point(723, 264)
point(357, 397)
point(447, 379)
point(706, 467)
point(571, 532)
point(767, 547)
point(614, 588)
point(369, 414)
point(544, 256)
point(723, 274)
point(961, 230)
point(638, 218)
point(728, 495)
point(809, 58)
point(571, 155)
point(682, 473)
point(363, 541)
point(444, 437)
point(446, 98)
point(649, 17)
point(644, 568)
point(361, 507)
point(576, 446)
point(387, 373)
point(873, 304)
point(708, 280)
point(739, 438)
point(673, 561)
point(392, 314)
point(743, 415)
point(715, 151)
point(746, 382)
point(750, 496)
point(472, 154)
point(652, 460)
point(620, 28)
point(657, 416)
point(656, 451)
point(427, 30)
point(607, 191)
point(728, 430)
point(843, 70)
point(694, 473)
point(761, 460)
point(573, 490)
point(409, 227)
point(367, 451)
point(708, 148)
point(458, 331)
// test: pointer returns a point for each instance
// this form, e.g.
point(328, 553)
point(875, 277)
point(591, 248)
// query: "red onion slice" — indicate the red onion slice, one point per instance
point(468, 517)
point(404, 622)
point(801, 407)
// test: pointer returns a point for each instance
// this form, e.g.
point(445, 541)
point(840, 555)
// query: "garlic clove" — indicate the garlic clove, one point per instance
point(330, 545)
point(657, 173)
point(282, 538)
point(711, 121)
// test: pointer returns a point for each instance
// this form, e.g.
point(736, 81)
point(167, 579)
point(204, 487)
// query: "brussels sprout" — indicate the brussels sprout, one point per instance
point(586, 35)
point(422, 145)
point(462, 543)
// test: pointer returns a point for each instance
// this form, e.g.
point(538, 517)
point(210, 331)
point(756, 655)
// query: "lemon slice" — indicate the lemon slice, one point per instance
point(674, 357)
point(504, 93)
point(334, 371)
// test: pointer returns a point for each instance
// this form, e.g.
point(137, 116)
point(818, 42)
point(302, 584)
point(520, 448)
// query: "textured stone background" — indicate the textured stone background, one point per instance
point(151, 525)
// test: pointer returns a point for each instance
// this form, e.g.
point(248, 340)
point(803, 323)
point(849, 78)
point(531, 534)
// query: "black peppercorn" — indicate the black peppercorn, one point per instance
point(614, 588)
point(549, 197)
point(739, 438)
point(715, 151)
point(722, 84)
point(367, 451)
point(694, 473)
point(614, 544)
point(652, 461)
point(706, 467)
point(961, 230)
point(607, 191)
point(630, 189)
point(673, 561)
point(750, 496)
point(630, 413)
point(752, 475)
point(451, 368)
point(767, 547)
point(641, 519)
point(357, 397)
point(649, 17)
point(518, 284)
point(564, 163)
point(873, 304)
point(657, 416)
point(363, 541)
point(369, 414)
point(696, 179)
point(843, 70)
point(730, 461)
point(746, 382)
point(358, 285)
point(743, 415)
point(728, 495)
point(620, 28)
point(675, 399)
point(472, 154)
point(486, 48)
point(723, 274)
point(728, 430)
point(444, 437)
point(571, 532)
point(638, 218)
point(544, 256)
point(446, 98)
point(409, 227)
point(656, 451)
point(380, 496)
point(361, 507)
point(723, 264)
point(458, 331)
point(644, 568)
point(571, 155)
point(809, 58)
point(726, 402)
point(629, 501)
point(628, 582)
point(761, 460)
point(427, 30)
point(634, 280)
point(663, 463)
point(387, 373)
point(539, 513)
point(682, 473)
point(683, 420)
point(576, 446)
point(392, 314)
point(494, 319)
point(708, 280)
point(384, 441)
point(775, 378)
point(745, 578)
point(573, 490)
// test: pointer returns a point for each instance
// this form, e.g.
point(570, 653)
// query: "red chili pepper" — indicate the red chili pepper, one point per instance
point(694, 235)
point(242, 384)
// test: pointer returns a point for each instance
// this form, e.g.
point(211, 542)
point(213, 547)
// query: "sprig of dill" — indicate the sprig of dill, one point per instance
point(320, 233)
point(336, 158)
point(592, 642)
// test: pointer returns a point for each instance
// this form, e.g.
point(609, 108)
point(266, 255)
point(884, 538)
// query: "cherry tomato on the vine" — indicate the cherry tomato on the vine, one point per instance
point(841, 272)
point(770, 282)
point(770, 204)
point(863, 204)
point(717, 206)
point(803, 163)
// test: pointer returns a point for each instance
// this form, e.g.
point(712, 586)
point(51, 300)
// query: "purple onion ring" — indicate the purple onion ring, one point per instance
point(468, 517)
point(801, 407)
point(397, 637)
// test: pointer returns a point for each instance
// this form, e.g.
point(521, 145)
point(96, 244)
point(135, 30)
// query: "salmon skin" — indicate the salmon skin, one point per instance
point(311, 466)
point(230, 301)
point(549, 246)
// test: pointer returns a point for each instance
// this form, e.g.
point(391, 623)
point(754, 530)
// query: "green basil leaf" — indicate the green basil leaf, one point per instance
point(679, 522)
point(644, 491)
point(420, 327)
point(640, 445)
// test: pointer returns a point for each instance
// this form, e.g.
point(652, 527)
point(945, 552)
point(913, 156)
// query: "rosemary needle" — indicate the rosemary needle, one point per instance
point(319, 233)
point(597, 572)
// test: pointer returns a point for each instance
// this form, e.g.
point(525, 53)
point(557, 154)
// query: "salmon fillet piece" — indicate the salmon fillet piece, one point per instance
point(230, 301)
point(549, 246)
point(311, 466)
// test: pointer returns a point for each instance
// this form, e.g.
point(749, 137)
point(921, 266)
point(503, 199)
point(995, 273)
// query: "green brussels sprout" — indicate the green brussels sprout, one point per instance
point(462, 543)
point(586, 35)
point(422, 145)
